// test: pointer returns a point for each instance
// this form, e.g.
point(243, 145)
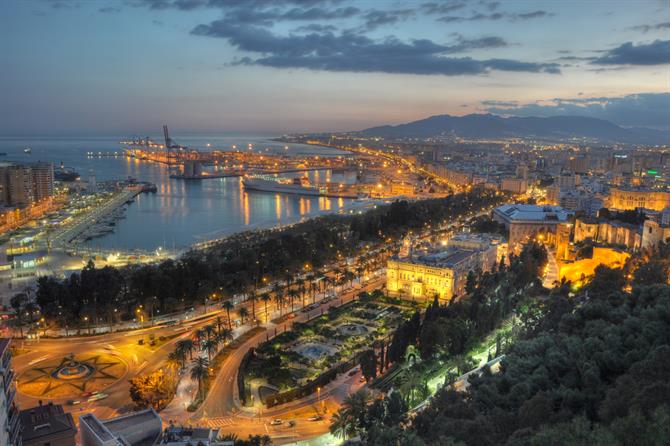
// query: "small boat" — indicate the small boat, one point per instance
point(28, 150)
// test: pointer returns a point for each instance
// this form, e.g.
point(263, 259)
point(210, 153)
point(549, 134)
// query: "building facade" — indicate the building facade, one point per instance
point(442, 273)
point(633, 198)
point(526, 222)
point(10, 426)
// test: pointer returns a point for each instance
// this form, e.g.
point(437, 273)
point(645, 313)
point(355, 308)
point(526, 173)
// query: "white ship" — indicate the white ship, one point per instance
point(299, 186)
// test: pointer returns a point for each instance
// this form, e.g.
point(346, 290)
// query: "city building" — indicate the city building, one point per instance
point(443, 272)
point(526, 222)
point(135, 429)
point(18, 188)
point(25, 184)
point(42, 180)
point(47, 425)
point(634, 198)
point(514, 185)
point(10, 426)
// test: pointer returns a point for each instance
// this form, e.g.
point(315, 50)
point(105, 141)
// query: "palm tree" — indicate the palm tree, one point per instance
point(186, 346)
point(209, 330)
point(300, 283)
point(253, 297)
point(410, 383)
point(341, 424)
point(209, 346)
point(292, 294)
point(265, 297)
point(279, 299)
point(225, 335)
point(179, 355)
point(228, 305)
point(200, 371)
point(174, 362)
point(244, 313)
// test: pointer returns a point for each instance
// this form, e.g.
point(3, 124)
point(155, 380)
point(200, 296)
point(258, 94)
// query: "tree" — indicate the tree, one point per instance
point(279, 300)
point(225, 336)
point(186, 346)
point(17, 302)
point(265, 297)
point(368, 361)
point(650, 273)
point(228, 305)
point(209, 346)
point(200, 372)
point(244, 313)
point(606, 281)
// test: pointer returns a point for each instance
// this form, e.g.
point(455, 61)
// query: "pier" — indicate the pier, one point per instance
point(85, 225)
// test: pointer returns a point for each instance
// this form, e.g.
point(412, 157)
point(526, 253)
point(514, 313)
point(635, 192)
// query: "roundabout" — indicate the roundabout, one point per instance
point(71, 376)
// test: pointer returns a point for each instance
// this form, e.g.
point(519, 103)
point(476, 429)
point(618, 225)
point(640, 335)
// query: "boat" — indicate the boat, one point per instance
point(65, 174)
point(298, 186)
point(28, 150)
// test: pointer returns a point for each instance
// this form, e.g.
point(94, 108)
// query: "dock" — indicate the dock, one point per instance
point(88, 221)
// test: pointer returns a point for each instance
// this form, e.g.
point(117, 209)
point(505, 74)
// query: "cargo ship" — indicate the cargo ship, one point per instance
point(65, 174)
point(298, 186)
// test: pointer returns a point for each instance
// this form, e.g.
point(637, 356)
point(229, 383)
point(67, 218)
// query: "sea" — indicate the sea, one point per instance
point(184, 212)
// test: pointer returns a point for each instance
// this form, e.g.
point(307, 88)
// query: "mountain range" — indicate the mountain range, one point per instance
point(482, 126)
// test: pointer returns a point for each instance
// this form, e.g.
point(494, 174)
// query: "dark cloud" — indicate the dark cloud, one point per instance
point(644, 109)
point(319, 13)
point(654, 53)
point(464, 44)
point(442, 8)
point(186, 5)
point(647, 28)
point(377, 18)
point(355, 52)
point(109, 9)
point(532, 15)
point(494, 16)
point(315, 28)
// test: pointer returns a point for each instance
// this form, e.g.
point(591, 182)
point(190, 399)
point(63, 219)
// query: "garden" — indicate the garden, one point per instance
point(300, 356)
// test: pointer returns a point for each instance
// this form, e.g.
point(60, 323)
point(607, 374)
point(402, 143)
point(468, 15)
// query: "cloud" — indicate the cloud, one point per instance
point(442, 8)
point(647, 28)
point(186, 5)
point(377, 18)
point(109, 9)
point(476, 44)
point(354, 52)
point(643, 109)
point(315, 28)
point(654, 53)
point(496, 16)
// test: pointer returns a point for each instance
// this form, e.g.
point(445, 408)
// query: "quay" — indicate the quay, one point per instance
point(83, 224)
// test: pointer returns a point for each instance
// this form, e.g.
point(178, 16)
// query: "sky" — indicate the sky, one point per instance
point(277, 66)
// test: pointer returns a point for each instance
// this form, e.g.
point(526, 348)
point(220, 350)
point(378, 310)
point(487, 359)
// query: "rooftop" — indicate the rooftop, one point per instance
point(45, 421)
point(445, 259)
point(532, 212)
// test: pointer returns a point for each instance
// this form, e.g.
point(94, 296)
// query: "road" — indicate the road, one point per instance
point(221, 408)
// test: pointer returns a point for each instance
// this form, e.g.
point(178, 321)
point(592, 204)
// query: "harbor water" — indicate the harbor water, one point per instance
point(181, 212)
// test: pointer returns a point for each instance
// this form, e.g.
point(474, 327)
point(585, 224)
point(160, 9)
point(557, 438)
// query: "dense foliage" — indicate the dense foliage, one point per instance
point(239, 263)
point(587, 374)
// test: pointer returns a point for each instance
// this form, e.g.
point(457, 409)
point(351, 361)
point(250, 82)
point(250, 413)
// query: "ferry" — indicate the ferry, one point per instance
point(298, 186)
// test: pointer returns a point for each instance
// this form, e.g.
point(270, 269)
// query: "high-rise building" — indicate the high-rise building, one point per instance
point(24, 184)
point(43, 180)
point(9, 412)
point(19, 186)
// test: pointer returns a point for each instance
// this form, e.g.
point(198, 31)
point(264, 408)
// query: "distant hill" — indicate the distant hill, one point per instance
point(493, 126)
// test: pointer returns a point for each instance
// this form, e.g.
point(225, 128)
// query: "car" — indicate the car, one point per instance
point(276, 422)
point(315, 418)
